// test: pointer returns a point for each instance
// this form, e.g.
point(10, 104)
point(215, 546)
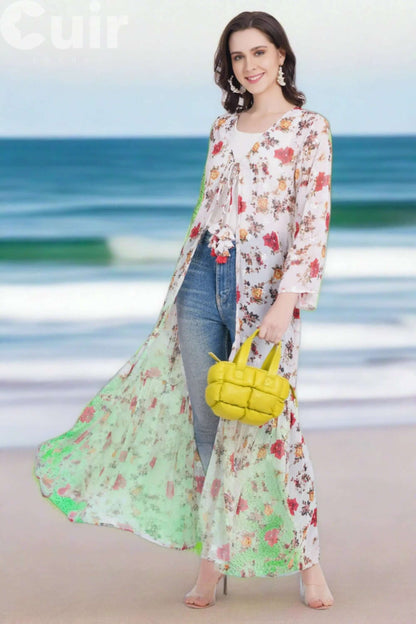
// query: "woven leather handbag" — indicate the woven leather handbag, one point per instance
point(252, 395)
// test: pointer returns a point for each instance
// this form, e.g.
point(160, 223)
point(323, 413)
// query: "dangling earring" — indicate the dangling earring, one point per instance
point(234, 89)
point(280, 77)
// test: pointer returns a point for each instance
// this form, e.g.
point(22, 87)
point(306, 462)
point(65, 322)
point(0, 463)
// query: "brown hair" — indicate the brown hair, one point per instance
point(274, 31)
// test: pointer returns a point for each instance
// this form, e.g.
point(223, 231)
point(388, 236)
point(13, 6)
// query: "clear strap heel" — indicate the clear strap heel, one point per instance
point(303, 598)
point(210, 604)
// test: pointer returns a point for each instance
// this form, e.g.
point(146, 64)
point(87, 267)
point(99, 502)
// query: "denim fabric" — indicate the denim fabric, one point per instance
point(206, 309)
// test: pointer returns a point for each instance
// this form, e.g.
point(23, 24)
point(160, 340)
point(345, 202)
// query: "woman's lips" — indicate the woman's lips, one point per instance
point(255, 79)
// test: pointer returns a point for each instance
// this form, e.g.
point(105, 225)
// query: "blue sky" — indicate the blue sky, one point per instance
point(356, 63)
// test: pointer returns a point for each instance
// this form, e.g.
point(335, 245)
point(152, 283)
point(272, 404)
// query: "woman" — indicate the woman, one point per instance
point(146, 454)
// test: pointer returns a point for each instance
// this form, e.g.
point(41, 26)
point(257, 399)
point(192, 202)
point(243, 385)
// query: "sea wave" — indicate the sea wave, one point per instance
point(342, 261)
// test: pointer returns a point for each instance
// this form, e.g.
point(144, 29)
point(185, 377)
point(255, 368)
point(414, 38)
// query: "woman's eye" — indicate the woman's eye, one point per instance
point(257, 52)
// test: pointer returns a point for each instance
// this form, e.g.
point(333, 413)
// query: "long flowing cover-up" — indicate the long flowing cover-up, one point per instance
point(130, 461)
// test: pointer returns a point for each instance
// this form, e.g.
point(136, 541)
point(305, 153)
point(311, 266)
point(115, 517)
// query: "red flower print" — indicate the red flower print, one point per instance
point(238, 294)
point(217, 147)
point(296, 313)
point(285, 155)
point(232, 462)
point(108, 441)
point(265, 169)
point(125, 527)
point(223, 552)
point(293, 505)
point(221, 259)
point(321, 181)
point(327, 217)
point(314, 266)
point(215, 488)
point(195, 230)
point(119, 483)
point(153, 403)
point(296, 229)
point(123, 455)
point(151, 372)
point(272, 536)
point(271, 240)
point(314, 517)
point(199, 483)
point(292, 419)
point(241, 205)
point(242, 505)
point(170, 489)
point(278, 449)
point(81, 437)
point(152, 462)
point(133, 404)
point(87, 414)
point(63, 490)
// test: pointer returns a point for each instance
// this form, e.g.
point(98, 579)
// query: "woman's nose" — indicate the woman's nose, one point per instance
point(251, 66)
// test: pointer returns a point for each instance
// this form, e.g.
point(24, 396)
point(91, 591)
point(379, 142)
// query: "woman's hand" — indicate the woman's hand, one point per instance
point(278, 317)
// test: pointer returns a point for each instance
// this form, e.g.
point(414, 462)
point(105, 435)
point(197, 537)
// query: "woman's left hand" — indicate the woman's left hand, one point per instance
point(278, 317)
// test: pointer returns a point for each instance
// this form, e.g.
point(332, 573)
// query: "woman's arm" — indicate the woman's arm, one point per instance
point(305, 260)
point(278, 317)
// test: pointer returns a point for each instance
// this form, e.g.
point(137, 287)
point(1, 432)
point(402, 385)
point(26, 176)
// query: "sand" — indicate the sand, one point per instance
point(54, 571)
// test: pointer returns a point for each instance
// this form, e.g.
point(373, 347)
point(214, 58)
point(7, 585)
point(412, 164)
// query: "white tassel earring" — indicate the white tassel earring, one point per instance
point(234, 89)
point(280, 77)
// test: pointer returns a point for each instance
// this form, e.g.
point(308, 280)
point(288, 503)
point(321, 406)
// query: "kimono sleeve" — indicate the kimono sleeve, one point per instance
point(305, 261)
point(205, 175)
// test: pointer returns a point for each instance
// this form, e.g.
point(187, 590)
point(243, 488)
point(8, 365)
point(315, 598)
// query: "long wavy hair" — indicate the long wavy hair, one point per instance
point(275, 32)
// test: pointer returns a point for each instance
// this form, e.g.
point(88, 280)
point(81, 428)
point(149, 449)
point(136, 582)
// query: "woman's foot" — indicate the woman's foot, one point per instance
point(203, 592)
point(316, 591)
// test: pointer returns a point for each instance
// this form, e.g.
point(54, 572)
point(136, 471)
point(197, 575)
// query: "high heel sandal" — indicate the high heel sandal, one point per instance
point(209, 604)
point(302, 594)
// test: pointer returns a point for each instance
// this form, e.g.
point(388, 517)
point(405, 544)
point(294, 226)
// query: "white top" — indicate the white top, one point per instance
point(240, 143)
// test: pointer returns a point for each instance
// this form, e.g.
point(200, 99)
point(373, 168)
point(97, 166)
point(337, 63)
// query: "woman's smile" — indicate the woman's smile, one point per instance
point(254, 78)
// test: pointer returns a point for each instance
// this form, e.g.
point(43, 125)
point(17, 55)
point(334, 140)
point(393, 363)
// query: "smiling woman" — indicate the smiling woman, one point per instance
point(148, 454)
point(247, 56)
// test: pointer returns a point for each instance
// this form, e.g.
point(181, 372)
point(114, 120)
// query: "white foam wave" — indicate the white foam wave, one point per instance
point(82, 301)
point(328, 397)
point(384, 379)
point(371, 262)
point(140, 249)
point(341, 261)
point(108, 302)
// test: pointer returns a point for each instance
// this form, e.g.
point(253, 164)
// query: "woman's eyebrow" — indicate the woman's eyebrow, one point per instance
point(255, 48)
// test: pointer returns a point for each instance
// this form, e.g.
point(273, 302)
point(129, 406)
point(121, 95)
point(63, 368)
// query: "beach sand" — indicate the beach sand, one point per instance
point(56, 572)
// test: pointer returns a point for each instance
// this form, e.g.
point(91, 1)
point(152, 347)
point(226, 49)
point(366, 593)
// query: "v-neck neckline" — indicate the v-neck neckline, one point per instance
point(261, 137)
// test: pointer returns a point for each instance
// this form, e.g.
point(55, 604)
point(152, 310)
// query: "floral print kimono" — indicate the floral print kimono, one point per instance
point(130, 461)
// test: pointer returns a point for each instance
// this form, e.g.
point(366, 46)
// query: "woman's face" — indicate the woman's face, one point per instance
point(254, 56)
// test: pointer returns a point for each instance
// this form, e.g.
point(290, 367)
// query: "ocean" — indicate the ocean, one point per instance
point(90, 230)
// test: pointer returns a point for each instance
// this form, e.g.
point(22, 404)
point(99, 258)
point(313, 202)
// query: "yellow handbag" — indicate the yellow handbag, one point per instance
point(249, 394)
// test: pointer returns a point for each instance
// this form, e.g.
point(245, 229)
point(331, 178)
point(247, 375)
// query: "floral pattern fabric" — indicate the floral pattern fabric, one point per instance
point(130, 460)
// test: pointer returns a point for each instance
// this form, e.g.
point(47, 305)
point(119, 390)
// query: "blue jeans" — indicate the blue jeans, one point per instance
point(206, 309)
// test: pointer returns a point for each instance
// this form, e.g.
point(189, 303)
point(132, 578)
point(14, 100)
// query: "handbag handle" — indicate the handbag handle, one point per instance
point(271, 363)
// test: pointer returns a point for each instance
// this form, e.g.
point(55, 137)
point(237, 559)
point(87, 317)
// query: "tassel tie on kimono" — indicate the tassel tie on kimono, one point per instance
point(223, 231)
